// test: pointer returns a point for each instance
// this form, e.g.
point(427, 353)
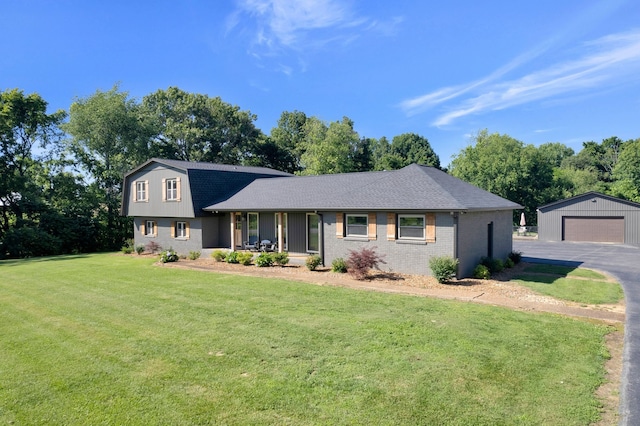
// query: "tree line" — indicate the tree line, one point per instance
point(61, 173)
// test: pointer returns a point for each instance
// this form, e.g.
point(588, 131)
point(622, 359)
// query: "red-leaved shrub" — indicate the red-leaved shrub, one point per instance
point(361, 261)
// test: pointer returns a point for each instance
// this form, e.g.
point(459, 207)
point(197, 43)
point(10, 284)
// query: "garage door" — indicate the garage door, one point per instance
point(596, 229)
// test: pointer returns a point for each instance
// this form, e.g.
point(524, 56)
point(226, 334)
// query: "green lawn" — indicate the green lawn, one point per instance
point(574, 284)
point(110, 339)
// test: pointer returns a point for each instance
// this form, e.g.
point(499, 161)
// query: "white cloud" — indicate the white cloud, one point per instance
point(282, 22)
point(303, 25)
point(604, 62)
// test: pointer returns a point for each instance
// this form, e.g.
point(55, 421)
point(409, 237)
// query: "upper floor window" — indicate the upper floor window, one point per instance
point(140, 190)
point(411, 226)
point(171, 189)
point(357, 225)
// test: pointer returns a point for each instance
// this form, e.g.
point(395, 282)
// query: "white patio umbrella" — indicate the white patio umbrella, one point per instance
point(523, 222)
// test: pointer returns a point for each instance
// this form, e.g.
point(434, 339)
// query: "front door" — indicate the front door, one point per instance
point(238, 230)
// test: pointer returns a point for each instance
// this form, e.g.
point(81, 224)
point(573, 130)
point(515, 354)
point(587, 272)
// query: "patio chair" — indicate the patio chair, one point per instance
point(271, 246)
point(253, 244)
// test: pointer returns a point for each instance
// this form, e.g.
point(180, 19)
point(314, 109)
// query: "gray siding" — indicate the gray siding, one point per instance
point(473, 238)
point(163, 234)
point(155, 206)
point(400, 256)
point(550, 218)
point(297, 232)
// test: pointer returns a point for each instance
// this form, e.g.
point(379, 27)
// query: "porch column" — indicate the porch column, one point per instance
point(280, 233)
point(233, 230)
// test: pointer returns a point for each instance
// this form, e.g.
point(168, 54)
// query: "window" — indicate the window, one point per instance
point(411, 227)
point(285, 231)
point(149, 228)
point(253, 227)
point(141, 190)
point(172, 189)
point(181, 230)
point(313, 233)
point(357, 225)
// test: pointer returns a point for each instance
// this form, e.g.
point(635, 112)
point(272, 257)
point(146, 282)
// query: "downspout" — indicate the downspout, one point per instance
point(321, 237)
point(455, 240)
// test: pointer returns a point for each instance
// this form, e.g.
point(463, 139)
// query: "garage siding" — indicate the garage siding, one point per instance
point(596, 215)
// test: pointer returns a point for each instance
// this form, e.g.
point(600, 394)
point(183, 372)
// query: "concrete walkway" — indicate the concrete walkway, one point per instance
point(622, 262)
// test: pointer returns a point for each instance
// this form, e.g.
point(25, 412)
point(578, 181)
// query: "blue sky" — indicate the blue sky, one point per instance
point(540, 71)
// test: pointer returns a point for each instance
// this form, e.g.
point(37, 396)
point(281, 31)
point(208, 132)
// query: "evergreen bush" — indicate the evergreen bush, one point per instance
point(481, 272)
point(281, 259)
point(219, 255)
point(444, 268)
point(264, 259)
point(245, 258)
point(339, 265)
point(313, 262)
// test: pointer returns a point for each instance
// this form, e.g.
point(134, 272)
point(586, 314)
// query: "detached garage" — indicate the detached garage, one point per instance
point(590, 217)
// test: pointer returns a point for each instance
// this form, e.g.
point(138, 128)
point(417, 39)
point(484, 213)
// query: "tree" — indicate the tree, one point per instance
point(591, 169)
point(108, 139)
point(555, 152)
point(195, 127)
point(289, 136)
point(329, 149)
point(405, 149)
point(509, 168)
point(24, 125)
point(627, 172)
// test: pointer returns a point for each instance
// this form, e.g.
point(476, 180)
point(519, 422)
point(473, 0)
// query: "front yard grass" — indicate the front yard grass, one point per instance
point(109, 339)
point(577, 285)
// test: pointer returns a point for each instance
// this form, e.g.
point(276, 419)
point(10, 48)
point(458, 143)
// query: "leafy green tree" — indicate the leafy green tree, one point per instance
point(555, 152)
point(195, 127)
point(329, 149)
point(289, 137)
point(509, 168)
point(108, 139)
point(591, 169)
point(627, 172)
point(405, 149)
point(362, 155)
point(24, 126)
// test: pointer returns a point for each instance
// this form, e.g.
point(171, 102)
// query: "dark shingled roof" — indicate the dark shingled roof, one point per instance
point(195, 165)
point(414, 187)
point(210, 183)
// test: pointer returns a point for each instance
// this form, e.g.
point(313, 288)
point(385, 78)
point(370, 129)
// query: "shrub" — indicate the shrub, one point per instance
point(232, 257)
point(494, 265)
point(264, 259)
point(509, 263)
point(313, 262)
point(153, 247)
point(360, 262)
point(193, 255)
point(481, 272)
point(127, 248)
point(169, 256)
point(339, 265)
point(281, 259)
point(515, 257)
point(140, 248)
point(245, 258)
point(443, 268)
point(219, 255)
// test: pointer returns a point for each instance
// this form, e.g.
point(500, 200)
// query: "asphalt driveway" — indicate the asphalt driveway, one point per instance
point(622, 262)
